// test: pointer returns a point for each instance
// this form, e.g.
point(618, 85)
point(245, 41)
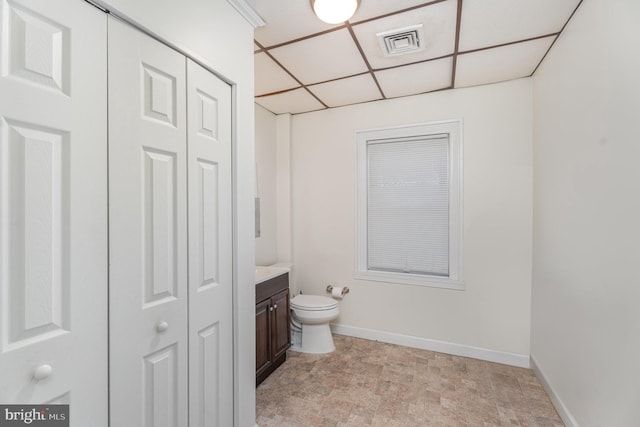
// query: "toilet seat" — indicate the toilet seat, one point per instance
point(311, 316)
point(313, 303)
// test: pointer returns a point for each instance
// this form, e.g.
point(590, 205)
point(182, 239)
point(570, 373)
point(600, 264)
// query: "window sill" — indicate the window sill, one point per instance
point(410, 279)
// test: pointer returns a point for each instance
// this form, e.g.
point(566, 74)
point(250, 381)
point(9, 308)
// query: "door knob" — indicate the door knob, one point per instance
point(162, 326)
point(42, 372)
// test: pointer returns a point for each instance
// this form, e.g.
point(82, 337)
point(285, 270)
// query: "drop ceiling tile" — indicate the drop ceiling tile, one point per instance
point(417, 78)
point(270, 77)
point(320, 46)
point(372, 9)
point(489, 23)
point(347, 91)
point(286, 20)
point(318, 59)
point(294, 101)
point(501, 63)
point(439, 26)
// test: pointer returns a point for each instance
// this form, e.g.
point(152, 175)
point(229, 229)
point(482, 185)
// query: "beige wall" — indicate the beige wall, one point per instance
point(266, 182)
point(586, 281)
point(493, 312)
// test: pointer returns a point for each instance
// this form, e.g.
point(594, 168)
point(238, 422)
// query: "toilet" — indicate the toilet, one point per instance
point(310, 317)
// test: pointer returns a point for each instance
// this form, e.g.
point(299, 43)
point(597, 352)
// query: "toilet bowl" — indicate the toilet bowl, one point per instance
point(310, 317)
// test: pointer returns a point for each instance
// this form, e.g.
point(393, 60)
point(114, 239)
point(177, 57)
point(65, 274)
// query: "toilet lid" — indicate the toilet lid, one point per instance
point(313, 302)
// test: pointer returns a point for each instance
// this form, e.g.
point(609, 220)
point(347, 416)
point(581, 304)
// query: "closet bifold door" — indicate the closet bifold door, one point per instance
point(53, 211)
point(147, 230)
point(210, 249)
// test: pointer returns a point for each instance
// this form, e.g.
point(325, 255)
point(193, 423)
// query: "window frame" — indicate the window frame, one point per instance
point(453, 128)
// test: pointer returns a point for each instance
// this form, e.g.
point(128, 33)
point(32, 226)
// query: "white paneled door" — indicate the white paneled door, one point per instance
point(170, 237)
point(53, 206)
point(147, 231)
point(210, 249)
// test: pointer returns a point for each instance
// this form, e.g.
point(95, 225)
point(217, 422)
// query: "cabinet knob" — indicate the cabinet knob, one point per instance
point(42, 372)
point(271, 308)
point(275, 306)
point(162, 326)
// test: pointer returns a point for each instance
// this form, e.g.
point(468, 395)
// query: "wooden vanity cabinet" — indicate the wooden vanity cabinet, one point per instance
point(273, 333)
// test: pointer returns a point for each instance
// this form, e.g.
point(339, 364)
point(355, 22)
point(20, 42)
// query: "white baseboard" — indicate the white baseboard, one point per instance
point(520, 360)
point(564, 413)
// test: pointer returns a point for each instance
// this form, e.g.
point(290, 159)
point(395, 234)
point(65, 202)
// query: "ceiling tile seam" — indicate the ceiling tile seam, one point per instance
point(364, 58)
point(353, 103)
point(556, 34)
point(364, 73)
point(544, 56)
point(454, 61)
point(422, 61)
point(364, 102)
point(556, 39)
point(480, 49)
point(278, 92)
point(340, 27)
point(307, 111)
point(397, 12)
point(339, 78)
point(420, 93)
point(374, 70)
point(302, 85)
point(303, 38)
point(283, 68)
point(314, 95)
point(303, 112)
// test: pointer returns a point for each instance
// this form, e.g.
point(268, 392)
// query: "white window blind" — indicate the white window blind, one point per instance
point(408, 205)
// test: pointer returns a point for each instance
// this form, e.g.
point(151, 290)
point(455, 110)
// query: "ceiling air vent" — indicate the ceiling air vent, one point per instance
point(402, 41)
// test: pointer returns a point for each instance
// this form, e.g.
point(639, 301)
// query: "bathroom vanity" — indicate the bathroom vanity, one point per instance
point(273, 336)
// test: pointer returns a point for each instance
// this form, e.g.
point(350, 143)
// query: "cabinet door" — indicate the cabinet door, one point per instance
point(148, 231)
point(53, 206)
point(263, 336)
point(210, 249)
point(280, 332)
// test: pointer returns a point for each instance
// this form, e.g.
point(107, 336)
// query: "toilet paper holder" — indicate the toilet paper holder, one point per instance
point(345, 290)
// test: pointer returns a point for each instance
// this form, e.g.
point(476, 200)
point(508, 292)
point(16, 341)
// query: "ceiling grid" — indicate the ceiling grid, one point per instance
point(303, 64)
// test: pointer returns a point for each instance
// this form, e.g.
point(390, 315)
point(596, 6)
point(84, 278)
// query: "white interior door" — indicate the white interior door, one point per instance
point(53, 211)
point(210, 249)
point(148, 235)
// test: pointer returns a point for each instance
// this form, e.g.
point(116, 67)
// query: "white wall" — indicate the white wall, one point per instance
point(494, 311)
point(586, 293)
point(273, 180)
point(283, 184)
point(266, 184)
point(215, 34)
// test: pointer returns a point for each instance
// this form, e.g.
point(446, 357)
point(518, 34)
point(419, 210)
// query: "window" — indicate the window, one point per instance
point(409, 204)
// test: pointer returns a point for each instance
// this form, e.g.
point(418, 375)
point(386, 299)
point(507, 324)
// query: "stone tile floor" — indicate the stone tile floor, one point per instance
point(368, 383)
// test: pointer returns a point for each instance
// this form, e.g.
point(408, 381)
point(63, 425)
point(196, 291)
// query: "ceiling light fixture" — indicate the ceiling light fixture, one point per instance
point(334, 11)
